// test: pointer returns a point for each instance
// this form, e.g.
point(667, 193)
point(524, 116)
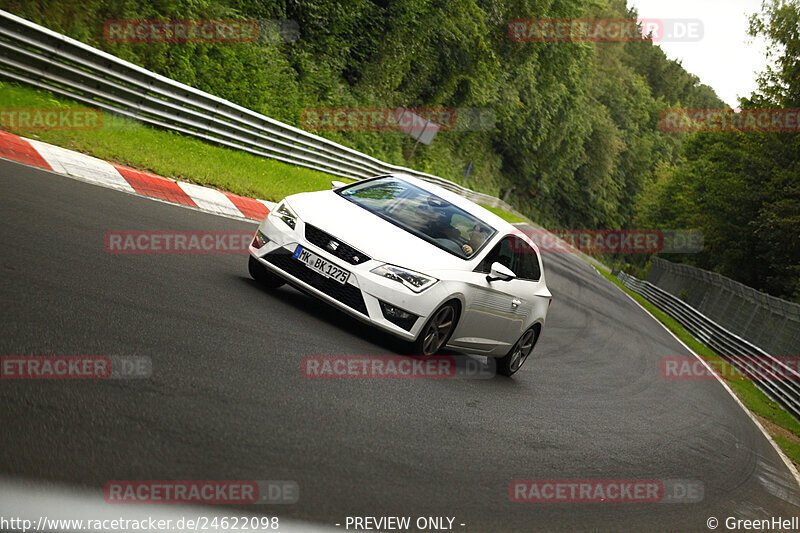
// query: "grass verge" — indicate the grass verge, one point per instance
point(173, 155)
point(505, 215)
point(161, 152)
point(778, 423)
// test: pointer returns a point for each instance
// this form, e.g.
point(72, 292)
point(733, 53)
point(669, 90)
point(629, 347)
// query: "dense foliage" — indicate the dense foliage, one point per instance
point(743, 189)
point(576, 140)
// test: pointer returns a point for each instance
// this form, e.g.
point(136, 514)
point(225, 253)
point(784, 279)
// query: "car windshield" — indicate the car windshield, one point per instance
point(422, 213)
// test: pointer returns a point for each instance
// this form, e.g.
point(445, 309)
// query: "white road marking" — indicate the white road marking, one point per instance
point(270, 205)
point(209, 199)
point(81, 166)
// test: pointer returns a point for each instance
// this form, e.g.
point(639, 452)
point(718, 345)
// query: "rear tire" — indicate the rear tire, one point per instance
point(518, 354)
point(263, 276)
point(437, 330)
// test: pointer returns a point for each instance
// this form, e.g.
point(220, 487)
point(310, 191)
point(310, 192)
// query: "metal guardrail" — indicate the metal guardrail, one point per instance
point(771, 323)
point(35, 56)
point(770, 374)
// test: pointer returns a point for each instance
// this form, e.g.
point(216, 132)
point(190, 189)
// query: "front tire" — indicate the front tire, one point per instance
point(516, 357)
point(263, 276)
point(436, 332)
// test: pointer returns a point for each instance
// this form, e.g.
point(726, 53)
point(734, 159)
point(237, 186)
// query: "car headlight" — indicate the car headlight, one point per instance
point(413, 280)
point(259, 239)
point(285, 213)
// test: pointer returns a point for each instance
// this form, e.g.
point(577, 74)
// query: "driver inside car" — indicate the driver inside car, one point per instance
point(439, 228)
point(476, 238)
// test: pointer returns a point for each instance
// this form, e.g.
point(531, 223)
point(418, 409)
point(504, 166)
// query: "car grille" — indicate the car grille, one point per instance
point(343, 251)
point(347, 294)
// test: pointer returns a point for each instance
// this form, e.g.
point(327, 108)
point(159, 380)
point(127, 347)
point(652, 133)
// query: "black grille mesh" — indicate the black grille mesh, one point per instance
point(346, 294)
point(343, 251)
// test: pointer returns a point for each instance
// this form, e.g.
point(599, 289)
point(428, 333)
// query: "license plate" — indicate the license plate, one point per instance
point(320, 265)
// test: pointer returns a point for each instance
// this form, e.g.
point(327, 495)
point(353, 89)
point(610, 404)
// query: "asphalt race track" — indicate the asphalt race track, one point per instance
point(227, 399)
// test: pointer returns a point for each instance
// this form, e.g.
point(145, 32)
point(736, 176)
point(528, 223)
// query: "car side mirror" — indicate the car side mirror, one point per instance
point(499, 272)
point(337, 184)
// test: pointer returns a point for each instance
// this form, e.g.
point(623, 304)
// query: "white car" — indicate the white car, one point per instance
point(413, 259)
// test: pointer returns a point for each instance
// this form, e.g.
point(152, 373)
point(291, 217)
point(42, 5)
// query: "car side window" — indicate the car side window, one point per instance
point(516, 254)
point(526, 260)
point(501, 253)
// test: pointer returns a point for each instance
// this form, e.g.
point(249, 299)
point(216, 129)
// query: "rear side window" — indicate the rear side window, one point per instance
point(527, 260)
point(516, 254)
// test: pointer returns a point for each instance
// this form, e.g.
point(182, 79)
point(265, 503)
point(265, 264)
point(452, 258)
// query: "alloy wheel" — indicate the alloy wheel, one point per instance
point(522, 350)
point(438, 330)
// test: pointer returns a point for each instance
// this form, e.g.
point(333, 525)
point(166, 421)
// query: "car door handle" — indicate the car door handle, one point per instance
point(515, 302)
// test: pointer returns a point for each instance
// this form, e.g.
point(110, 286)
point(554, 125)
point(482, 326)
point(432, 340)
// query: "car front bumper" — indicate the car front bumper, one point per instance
point(362, 293)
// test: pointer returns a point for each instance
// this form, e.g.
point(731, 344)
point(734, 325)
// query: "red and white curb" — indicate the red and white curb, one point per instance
point(93, 170)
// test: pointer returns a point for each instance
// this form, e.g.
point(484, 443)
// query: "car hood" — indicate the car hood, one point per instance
point(381, 240)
